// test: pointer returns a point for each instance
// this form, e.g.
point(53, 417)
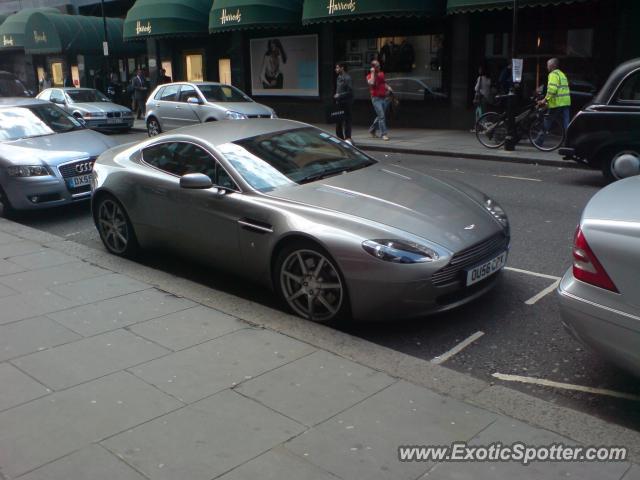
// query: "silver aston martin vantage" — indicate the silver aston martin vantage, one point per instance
point(334, 232)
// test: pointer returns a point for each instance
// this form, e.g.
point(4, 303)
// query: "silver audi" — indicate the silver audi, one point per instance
point(95, 109)
point(334, 232)
point(46, 155)
point(600, 294)
point(181, 104)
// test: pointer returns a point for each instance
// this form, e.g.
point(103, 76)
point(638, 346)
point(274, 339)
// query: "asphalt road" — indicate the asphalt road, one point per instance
point(506, 335)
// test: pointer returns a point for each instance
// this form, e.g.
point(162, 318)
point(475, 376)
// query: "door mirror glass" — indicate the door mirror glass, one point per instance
point(193, 101)
point(195, 181)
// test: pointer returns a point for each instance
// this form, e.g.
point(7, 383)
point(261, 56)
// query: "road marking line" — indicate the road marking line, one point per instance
point(457, 349)
point(519, 178)
point(445, 170)
point(543, 293)
point(72, 234)
point(566, 386)
point(535, 274)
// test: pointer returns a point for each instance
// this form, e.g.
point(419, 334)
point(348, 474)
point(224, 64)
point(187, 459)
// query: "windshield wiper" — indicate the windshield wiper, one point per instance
point(330, 173)
point(31, 136)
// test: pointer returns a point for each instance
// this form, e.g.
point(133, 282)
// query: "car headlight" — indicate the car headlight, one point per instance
point(27, 171)
point(497, 211)
point(94, 115)
point(273, 114)
point(399, 251)
point(235, 115)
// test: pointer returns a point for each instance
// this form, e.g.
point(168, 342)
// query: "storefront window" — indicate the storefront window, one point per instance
point(224, 70)
point(56, 73)
point(412, 65)
point(195, 71)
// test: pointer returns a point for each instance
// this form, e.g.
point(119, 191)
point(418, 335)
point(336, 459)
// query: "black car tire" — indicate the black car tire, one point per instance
point(310, 250)
point(153, 127)
point(109, 202)
point(608, 158)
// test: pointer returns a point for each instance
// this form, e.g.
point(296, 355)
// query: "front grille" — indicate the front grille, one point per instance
point(81, 167)
point(470, 257)
point(113, 114)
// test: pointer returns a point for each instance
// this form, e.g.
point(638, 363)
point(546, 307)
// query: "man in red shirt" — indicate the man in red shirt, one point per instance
point(378, 91)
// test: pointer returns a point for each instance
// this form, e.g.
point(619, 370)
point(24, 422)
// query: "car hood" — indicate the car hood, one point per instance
point(55, 149)
point(97, 107)
point(247, 108)
point(407, 200)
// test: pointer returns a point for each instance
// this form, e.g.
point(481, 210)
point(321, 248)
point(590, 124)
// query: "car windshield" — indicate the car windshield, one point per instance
point(34, 121)
point(223, 93)
point(293, 156)
point(86, 96)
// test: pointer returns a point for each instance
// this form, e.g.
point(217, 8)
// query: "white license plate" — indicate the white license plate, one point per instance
point(486, 269)
point(79, 181)
point(114, 120)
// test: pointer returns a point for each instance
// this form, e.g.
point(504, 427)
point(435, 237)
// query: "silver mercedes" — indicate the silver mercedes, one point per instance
point(333, 231)
point(46, 155)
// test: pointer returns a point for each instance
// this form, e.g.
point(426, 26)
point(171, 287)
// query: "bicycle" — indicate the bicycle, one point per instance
point(544, 130)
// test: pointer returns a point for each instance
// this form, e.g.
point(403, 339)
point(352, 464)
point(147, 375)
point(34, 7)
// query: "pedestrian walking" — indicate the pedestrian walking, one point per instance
point(558, 97)
point(46, 81)
point(482, 90)
point(163, 78)
point(379, 99)
point(344, 100)
point(139, 85)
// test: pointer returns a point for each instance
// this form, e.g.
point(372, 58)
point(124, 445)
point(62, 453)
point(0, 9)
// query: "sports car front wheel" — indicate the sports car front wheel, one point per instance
point(310, 282)
point(114, 227)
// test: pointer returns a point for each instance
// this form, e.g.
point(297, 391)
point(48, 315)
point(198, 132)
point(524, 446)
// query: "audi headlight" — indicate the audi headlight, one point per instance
point(497, 211)
point(273, 114)
point(399, 251)
point(235, 115)
point(27, 171)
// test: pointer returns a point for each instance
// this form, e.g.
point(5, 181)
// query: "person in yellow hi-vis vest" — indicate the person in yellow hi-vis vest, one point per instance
point(558, 98)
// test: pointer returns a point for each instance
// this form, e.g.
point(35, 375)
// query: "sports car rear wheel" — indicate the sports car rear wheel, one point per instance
point(115, 228)
point(310, 282)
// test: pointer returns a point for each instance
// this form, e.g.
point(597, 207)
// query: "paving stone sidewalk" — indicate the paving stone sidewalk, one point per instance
point(451, 143)
point(104, 376)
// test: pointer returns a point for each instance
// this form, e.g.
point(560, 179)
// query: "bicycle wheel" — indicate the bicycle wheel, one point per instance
point(491, 130)
point(547, 139)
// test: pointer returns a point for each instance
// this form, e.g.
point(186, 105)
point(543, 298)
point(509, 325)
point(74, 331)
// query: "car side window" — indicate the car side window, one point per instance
point(158, 94)
point(187, 91)
point(56, 96)
point(630, 89)
point(170, 93)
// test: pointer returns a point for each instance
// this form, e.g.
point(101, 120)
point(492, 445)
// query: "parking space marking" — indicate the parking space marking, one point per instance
point(534, 274)
point(566, 386)
point(518, 178)
point(457, 349)
point(543, 293)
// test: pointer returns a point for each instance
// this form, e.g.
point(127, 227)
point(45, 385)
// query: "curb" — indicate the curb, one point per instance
point(572, 424)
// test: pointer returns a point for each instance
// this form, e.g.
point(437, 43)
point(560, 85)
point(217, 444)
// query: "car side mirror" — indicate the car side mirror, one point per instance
point(197, 181)
point(82, 121)
point(219, 191)
point(194, 101)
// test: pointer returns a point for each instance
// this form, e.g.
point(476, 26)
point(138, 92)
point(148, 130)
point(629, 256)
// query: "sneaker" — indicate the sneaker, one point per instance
point(349, 141)
point(385, 138)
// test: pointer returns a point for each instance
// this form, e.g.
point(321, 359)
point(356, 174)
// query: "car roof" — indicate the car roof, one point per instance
point(74, 88)
point(20, 102)
point(197, 84)
point(226, 131)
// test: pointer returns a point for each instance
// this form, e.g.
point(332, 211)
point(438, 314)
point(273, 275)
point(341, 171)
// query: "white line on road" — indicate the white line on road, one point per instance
point(519, 178)
point(543, 293)
point(566, 386)
point(535, 274)
point(457, 349)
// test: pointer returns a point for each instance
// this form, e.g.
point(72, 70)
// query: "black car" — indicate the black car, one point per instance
point(11, 86)
point(606, 133)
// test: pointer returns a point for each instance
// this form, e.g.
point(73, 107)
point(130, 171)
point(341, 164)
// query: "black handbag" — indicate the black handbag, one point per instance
point(335, 113)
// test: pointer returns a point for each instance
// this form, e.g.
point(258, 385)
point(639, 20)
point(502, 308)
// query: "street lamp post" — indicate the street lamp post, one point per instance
point(106, 43)
point(512, 134)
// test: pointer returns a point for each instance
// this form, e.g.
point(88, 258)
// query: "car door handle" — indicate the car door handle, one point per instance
point(177, 107)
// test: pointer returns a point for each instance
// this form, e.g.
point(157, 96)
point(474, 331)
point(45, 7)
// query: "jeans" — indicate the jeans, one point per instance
point(553, 113)
point(343, 128)
point(380, 107)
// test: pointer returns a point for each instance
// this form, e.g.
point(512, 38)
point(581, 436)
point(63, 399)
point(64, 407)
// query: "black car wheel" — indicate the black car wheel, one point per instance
point(153, 127)
point(620, 163)
point(114, 226)
point(310, 282)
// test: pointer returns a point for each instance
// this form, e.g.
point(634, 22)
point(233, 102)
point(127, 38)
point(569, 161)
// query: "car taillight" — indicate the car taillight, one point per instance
point(586, 266)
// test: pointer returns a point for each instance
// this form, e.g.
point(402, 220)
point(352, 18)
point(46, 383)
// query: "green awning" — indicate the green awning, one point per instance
point(466, 6)
point(48, 33)
point(334, 10)
point(13, 28)
point(241, 14)
point(167, 18)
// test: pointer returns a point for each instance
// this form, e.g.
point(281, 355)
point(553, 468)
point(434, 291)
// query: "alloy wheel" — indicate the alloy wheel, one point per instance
point(311, 285)
point(113, 226)
point(153, 127)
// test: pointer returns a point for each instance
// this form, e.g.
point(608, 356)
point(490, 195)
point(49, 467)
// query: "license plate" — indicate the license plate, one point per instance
point(79, 181)
point(114, 120)
point(486, 269)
